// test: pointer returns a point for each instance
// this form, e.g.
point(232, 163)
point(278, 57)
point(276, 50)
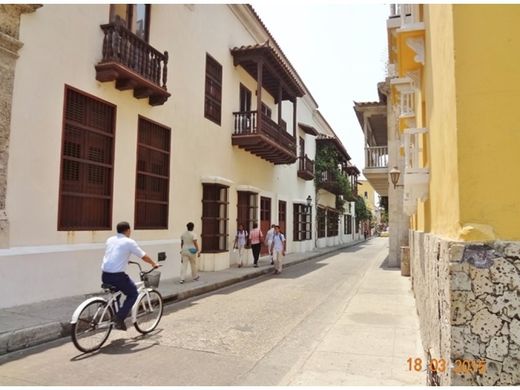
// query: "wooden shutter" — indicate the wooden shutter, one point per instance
point(214, 218)
point(322, 222)
point(213, 91)
point(152, 175)
point(87, 160)
point(282, 216)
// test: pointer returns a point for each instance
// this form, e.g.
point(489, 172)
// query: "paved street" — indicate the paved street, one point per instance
point(343, 320)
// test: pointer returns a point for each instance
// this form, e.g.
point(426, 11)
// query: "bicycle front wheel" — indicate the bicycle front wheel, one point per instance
point(93, 326)
point(149, 312)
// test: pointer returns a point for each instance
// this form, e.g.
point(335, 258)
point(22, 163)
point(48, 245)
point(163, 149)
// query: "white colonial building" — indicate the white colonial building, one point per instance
point(157, 115)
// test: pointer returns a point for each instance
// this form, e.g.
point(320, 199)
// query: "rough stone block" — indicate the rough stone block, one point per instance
point(481, 284)
point(512, 366)
point(457, 342)
point(498, 348)
point(505, 329)
point(507, 304)
point(459, 314)
point(455, 252)
point(505, 379)
point(475, 305)
point(512, 250)
point(503, 271)
point(514, 350)
point(485, 325)
point(473, 346)
point(460, 281)
point(514, 329)
point(459, 267)
point(492, 374)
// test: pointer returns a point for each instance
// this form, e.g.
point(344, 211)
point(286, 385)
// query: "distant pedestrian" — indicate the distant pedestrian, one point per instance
point(189, 252)
point(240, 244)
point(269, 240)
point(278, 249)
point(256, 238)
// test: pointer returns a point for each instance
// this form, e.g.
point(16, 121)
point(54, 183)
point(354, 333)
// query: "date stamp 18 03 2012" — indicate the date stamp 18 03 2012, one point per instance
point(459, 366)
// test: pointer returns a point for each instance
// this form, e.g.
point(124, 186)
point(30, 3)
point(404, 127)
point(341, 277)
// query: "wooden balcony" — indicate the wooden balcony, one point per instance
point(306, 168)
point(264, 138)
point(133, 64)
point(328, 182)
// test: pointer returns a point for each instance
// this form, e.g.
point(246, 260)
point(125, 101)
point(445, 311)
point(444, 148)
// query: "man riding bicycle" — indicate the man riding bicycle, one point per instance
point(117, 253)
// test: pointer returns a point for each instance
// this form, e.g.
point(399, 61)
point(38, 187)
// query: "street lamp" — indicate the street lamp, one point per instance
point(309, 201)
point(394, 177)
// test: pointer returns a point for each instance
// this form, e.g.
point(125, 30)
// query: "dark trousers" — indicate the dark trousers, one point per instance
point(123, 283)
point(256, 251)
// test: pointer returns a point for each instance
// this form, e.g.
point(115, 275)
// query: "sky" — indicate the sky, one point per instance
point(339, 51)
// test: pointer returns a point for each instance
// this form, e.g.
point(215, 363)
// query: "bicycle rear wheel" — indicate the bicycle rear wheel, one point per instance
point(149, 312)
point(93, 326)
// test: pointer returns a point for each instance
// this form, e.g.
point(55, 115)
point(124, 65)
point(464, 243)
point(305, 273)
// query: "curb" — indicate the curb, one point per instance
point(29, 337)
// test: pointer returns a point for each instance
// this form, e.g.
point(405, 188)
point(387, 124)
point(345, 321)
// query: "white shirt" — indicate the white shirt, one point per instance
point(188, 238)
point(269, 235)
point(278, 240)
point(118, 251)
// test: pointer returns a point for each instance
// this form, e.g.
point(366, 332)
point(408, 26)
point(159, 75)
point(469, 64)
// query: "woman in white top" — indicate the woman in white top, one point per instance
point(240, 243)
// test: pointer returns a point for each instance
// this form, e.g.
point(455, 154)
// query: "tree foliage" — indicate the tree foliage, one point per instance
point(327, 160)
point(362, 212)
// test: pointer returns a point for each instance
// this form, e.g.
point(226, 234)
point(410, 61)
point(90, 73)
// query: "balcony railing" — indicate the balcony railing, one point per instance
point(328, 182)
point(305, 168)
point(133, 64)
point(376, 157)
point(267, 140)
point(406, 14)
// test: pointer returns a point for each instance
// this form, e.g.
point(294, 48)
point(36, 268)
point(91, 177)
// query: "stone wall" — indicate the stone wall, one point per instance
point(9, 46)
point(468, 300)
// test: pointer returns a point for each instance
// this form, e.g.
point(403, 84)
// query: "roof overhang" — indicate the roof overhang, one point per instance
point(308, 129)
point(335, 143)
point(275, 72)
point(376, 116)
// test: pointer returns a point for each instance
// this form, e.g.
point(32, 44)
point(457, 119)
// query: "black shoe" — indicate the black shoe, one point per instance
point(256, 265)
point(272, 262)
point(120, 324)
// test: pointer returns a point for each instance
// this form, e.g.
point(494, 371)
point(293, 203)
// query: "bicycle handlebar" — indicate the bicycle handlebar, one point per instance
point(141, 269)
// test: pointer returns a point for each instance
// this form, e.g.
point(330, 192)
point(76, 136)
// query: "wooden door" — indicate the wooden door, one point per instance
point(265, 218)
point(282, 217)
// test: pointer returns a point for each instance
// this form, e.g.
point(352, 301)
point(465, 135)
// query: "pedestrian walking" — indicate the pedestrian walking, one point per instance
point(240, 244)
point(278, 249)
point(269, 240)
point(189, 252)
point(256, 238)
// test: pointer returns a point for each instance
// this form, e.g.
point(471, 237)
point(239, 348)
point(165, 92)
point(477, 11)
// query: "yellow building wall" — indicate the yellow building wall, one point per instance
point(487, 46)
point(363, 187)
point(442, 217)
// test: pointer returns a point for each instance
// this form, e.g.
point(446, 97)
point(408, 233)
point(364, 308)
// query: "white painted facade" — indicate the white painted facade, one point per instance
point(62, 44)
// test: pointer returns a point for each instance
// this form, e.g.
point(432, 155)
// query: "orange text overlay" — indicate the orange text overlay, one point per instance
point(460, 366)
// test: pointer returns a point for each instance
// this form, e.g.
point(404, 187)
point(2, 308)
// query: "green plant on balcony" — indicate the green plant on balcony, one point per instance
point(327, 170)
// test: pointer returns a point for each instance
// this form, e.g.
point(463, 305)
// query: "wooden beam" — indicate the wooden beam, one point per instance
point(259, 69)
point(294, 117)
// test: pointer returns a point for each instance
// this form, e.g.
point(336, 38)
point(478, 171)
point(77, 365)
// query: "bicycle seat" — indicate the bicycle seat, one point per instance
point(106, 286)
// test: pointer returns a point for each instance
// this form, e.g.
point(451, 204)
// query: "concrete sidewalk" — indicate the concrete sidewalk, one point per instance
point(370, 342)
point(28, 325)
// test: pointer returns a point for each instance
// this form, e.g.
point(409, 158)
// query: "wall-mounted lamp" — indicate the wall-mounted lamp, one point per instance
point(395, 173)
point(309, 201)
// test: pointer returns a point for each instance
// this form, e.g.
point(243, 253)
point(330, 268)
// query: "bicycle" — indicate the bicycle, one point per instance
point(93, 319)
